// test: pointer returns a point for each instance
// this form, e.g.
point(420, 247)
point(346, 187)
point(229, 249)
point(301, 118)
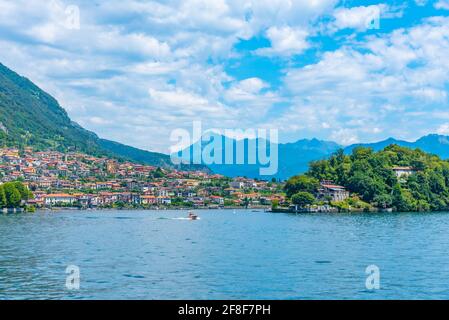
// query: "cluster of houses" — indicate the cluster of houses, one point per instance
point(77, 179)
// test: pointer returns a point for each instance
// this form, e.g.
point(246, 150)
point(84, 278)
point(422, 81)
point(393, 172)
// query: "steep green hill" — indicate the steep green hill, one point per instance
point(31, 117)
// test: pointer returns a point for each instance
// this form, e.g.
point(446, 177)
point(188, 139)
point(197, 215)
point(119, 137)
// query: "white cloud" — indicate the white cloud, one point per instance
point(443, 129)
point(430, 94)
point(103, 72)
point(363, 18)
point(251, 85)
point(356, 18)
point(399, 78)
point(187, 104)
point(345, 136)
point(285, 41)
point(442, 4)
point(421, 2)
point(253, 97)
point(135, 70)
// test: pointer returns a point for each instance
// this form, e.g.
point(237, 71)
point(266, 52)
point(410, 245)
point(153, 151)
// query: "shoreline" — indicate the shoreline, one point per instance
point(265, 209)
point(12, 210)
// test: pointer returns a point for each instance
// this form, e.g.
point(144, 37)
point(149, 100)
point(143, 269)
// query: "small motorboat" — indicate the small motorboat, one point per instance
point(192, 216)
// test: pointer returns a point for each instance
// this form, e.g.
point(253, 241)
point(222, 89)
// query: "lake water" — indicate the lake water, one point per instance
point(225, 255)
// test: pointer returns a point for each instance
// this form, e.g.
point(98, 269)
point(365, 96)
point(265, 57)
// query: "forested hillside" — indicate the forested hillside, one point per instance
point(370, 176)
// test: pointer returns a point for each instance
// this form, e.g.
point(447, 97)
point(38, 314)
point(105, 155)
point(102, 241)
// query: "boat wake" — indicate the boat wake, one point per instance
point(180, 218)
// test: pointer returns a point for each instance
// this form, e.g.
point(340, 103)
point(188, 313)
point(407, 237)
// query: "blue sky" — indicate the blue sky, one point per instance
point(133, 71)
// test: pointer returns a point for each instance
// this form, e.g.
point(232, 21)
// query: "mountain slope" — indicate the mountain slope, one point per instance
point(436, 144)
point(31, 117)
point(295, 157)
point(143, 156)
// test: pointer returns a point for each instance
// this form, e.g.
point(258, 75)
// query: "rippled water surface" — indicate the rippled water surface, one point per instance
point(225, 255)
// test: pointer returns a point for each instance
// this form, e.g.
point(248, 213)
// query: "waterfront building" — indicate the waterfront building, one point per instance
point(60, 198)
point(329, 190)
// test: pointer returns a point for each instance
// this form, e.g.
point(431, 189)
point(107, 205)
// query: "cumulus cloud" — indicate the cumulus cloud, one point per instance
point(285, 41)
point(421, 2)
point(133, 71)
point(357, 18)
point(443, 129)
point(442, 4)
point(363, 18)
point(398, 78)
point(127, 67)
point(253, 98)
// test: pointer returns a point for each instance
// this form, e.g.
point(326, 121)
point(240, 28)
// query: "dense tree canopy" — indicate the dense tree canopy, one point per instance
point(303, 199)
point(12, 194)
point(301, 183)
point(370, 175)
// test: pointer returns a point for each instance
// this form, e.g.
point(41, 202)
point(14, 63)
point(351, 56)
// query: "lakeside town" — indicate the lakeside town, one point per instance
point(32, 180)
point(83, 181)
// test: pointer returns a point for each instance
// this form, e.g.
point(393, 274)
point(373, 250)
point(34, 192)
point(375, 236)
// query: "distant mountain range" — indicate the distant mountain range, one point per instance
point(31, 117)
point(432, 143)
point(294, 158)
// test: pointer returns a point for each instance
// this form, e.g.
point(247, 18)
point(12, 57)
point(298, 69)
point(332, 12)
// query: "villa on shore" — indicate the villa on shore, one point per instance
point(329, 190)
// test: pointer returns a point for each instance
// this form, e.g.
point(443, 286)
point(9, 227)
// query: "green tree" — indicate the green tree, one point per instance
point(301, 183)
point(321, 170)
point(403, 200)
point(303, 199)
point(3, 202)
point(361, 153)
point(437, 182)
point(25, 194)
point(275, 204)
point(13, 196)
point(158, 173)
point(367, 187)
point(370, 174)
point(383, 201)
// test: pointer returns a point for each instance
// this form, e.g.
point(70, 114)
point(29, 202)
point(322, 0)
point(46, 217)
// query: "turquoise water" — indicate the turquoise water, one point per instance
point(225, 255)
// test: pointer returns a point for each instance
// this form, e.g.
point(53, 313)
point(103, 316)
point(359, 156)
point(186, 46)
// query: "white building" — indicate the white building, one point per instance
point(334, 192)
point(237, 184)
point(402, 172)
point(52, 199)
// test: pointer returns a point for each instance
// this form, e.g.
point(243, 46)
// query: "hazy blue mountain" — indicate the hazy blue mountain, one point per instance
point(377, 146)
point(436, 144)
point(433, 143)
point(293, 157)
